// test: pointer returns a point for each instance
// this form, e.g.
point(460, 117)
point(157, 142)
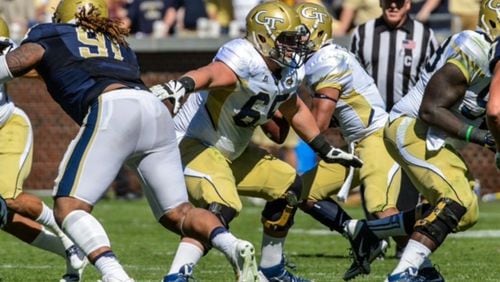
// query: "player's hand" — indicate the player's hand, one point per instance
point(489, 141)
point(174, 91)
point(335, 155)
point(330, 154)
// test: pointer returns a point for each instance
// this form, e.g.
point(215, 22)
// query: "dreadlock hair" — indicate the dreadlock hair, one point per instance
point(91, 20)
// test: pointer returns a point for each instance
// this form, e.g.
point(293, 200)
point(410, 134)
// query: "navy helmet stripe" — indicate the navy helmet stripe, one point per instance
point(73, 165)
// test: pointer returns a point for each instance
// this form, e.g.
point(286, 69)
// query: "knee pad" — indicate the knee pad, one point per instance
point(278, 214)
point(441, 221)
point(85, 230)
point(224, 213)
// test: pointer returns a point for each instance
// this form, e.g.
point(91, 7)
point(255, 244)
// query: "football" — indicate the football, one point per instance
point(276, 129)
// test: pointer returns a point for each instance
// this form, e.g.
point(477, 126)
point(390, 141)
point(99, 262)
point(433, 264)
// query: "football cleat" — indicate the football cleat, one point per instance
point(365, 247)
point(409, 275)
point(279, 273)
point(431, 274)
point(76, 257)
point(243, 262)
point(74, 274)
point(184, 275)
point(70, 277)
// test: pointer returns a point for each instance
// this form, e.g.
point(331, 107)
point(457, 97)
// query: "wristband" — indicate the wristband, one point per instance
point(188, 83)
point(319, 145)
point(468, 133)
point(5, 74)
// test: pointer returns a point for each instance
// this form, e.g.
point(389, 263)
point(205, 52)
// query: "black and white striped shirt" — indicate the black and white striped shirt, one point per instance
point(393, 57)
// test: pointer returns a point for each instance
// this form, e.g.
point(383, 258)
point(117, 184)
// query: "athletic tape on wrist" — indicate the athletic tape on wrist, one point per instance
point(5, 74)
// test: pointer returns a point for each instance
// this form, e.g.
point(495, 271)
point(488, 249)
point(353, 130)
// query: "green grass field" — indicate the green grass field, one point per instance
point(146, 249)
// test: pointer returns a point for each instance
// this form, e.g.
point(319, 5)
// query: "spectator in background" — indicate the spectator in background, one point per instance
point(240, 11)
point(356, 12)
point(220, 11)
point(19, 14)
point(44, 10)
point(464, 13)
point(182, 16)
point(143, 14)
point(118, 10)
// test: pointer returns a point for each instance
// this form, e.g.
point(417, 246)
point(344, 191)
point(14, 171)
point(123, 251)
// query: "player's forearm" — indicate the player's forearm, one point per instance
point(304, 124)
point(443, 119)
point(213, 75)
point(5, 73)
point(23, 59)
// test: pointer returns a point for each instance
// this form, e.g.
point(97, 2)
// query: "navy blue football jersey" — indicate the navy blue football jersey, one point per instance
point(79, 64)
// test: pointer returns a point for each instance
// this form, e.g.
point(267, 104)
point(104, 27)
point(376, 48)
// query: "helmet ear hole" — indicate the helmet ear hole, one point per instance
point(493, 24)
point(320, 33)
point(262, 38)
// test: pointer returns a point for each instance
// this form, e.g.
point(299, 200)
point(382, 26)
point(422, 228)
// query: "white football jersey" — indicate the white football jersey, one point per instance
point(468, 50)
point(6, 105)
point(360, 109)
point(226, 117)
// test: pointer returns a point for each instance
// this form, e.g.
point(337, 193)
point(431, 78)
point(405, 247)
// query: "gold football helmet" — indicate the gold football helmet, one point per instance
point(319, 22)
point(489, 17)
point(4, 29)
point(275, 30)
point(67, 9)
point(5, 41)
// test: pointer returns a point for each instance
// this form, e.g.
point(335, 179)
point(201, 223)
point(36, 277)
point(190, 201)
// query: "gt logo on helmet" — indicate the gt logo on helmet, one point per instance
point(494, 5)
point(267, 21)
point(312, 13)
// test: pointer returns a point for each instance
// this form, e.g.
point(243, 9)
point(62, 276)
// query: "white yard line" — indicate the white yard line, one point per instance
point(465, 234)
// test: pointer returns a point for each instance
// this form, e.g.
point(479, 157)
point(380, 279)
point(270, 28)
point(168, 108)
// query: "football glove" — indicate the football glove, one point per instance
point(476, 135)
point(3, 212)
point(174, 91)
point(330, 154)
point(489, 141)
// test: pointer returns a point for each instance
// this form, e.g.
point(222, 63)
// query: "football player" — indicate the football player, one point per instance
point(92, 73)
point(493, 106)
point(248, 81)
point(29, 218)
point(444, 109)
point(345, 94)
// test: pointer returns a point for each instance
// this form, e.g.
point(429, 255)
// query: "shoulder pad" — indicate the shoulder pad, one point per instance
point(44, 30)
point(239, 55)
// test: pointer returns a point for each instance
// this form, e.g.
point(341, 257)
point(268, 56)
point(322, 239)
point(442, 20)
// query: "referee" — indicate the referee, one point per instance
point(394, 49)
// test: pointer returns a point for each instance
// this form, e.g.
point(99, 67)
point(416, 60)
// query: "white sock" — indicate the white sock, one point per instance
point(46, 218)
point(186, 253)
point(414, 256)
point(108, 265)
point(85, 231)
point(48, 241)
point(272, 250)
point(225, 242)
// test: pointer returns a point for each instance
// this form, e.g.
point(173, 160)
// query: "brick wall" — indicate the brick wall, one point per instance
point(53, 131)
